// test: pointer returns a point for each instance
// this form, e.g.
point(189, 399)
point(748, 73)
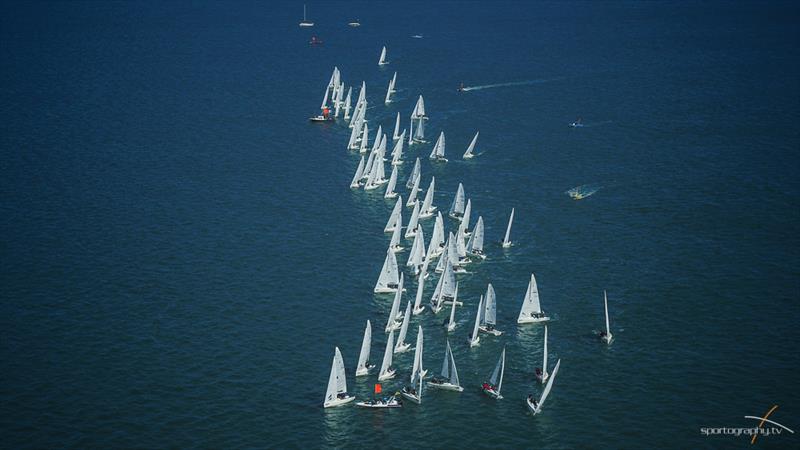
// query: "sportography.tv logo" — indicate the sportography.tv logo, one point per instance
point(773, 428)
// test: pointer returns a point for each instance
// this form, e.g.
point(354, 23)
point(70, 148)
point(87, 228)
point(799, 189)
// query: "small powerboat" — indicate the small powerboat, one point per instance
point(388, 402)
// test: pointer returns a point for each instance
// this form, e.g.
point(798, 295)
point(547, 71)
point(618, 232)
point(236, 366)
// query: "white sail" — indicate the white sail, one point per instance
point(396, 134)
point(387, 358)
point(544, 357)
point(337, 382)
point(445, 257)
point(411, 132)
point(347, 102)
point(418, 308)
point(382, 59)
point(364, 139)
point(448, 282)
point(468, 154)
point(413, 223)
point(417, 367)
point(352, 144)
point(397, 151)
point(507, 239)
point(548, 386)
point(438, 149)
point(428, 209)
point(359, 172)
point(452, 250)
point(377, 142)
point(363, 357)
point(497, 375)
point(531, 303)
point(394, 244)
point(415, 174)
point(489, 316)
point(449, 370)
point(435, 247)
point(605, 306)
point(465, 218)
point(396, 218)
point(474, 338)
point(394, 82)
point(460, 247)
point(419, 108)
point(389, 277)
point(451, 325)
point(417, 254)
point(459, 203)
point(390, 193)
point(325, 99)
point(368, 166)
point(475, 244)
point(401, 338)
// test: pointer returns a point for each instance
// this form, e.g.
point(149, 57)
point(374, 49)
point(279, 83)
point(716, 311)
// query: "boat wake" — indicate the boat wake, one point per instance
point(513, 83)
point(583, 191)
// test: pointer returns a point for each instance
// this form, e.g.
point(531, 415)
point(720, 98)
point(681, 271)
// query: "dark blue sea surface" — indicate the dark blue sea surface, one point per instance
point(181, 251)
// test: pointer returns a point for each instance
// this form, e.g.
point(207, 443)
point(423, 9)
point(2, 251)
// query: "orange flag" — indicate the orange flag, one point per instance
point(377, 388)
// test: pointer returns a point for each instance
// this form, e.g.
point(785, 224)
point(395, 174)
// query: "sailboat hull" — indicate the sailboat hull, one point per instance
point(418, 311)
point(492, 393)
point(446, 386)
point(493, 332)
point(533, 319)
point(388, 375)
point(607, 338)
point(543, 377)
point(338, 402)
point(530, 406)
point(474, 342)
point(412, 397)
point(506, 244)
point(365, 371)
point(402, 348)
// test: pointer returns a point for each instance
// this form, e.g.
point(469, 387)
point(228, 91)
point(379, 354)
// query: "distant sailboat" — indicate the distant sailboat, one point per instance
point(541, 372)
point(397, 151)
point(469, 153)
point(389, 279)
point(489, 313)
point(396, 134)
point(531, 311)
point(416, 256)
point(445, 289)
point(474, 338)
point(606, 336)
point(475, 244)
point(459, 204)
point(436, 246)
point(412, 194)
point(413, 392)
point(533, 405)
point(364, 366)
point(507, 238)
point(413, 222)
point(391, 89)
point(402, 346)
point(448, 380)
point(418, 307)
point(354, 23)
point(451, 324)
point(347, 103)
point(394, 244)
point(355, 184)
point(394, 315)
point(418, 354)
point(437, 154)
point(396, 218)
point(337, 384)
point(466, 217)
point(382, 61)
point(305, 22)
point(428, 209)
point(495, 384)
point(419, 117)
point(387, 371)
point(416, 172)
point(390, 193)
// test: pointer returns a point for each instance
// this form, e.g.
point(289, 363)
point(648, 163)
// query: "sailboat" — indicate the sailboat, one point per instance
point(437, 244)
point(418, 115)
point(387, 371)
point(495, 383)
point(531, 311)
point(475, 244)
point(606, 336)
point(469, 153)
point(418, 307)
point(416, 256)
point(489, 314)
point(412, 194)
point(414, 177)
point(533, 405)
point(448, 380)
point(466, 217)
point(325, 115)
point(389, 278)
point(541, 372)
point(396, 218)
point(474, 338)
point(396, 133)
point(437, 154)
point(337, 384)
point(390, 90)
point(413, 222)
point(397, 151)
point(364, 366)
point(428, 209)
point(445, 289)
point(402, 346)
point(382, 61)
point(394, 315)
point(394, 244)
point(413, 392)
point(459, 204)
point(305, 22)
point(355, 184)
point(507, 239)
point(390, 193)
point(451, 325)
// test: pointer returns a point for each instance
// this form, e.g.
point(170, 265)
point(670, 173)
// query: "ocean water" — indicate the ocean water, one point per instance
point(181, 252)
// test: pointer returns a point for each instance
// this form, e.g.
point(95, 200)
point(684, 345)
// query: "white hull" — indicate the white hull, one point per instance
point(411, 235)
point(506, 244)
point(416, 311)
point(388, 375)
point(438, 159)
point(390, 404)
point(402, 348)
point(451, 327)
point(469, 156)
point(607, 338)
point(450, 303)
point(338, 402)
point(392, 195)
point(398, 248)
point(482, 256)
point(397, 163)
point(456, 216)
point(530, 406)
point(412, 397)
point(492, 332)
point(542, 378)
point(474, 342)
point(364, 372)
point(446, 386)
point(533, 319)
point(492, 393)
point(386, 290)
point(393, 327)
